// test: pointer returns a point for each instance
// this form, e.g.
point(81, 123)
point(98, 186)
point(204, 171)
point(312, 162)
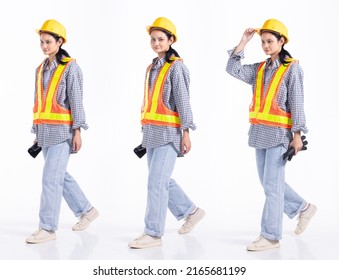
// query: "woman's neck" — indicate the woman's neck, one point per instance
point(51, 58)
point(274, 58)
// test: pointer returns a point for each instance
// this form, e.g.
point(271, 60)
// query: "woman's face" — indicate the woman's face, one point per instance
point(49, 45)
point(270, 44)
point(160, 42)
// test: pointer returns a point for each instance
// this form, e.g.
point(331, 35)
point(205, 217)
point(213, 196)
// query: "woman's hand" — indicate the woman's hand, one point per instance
point(77, 142)
point(186, 142)
point(297, 143)
point(248, 34)
point(246, 37)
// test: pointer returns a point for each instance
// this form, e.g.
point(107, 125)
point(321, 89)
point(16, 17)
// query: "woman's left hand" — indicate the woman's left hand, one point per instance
point(77, 142)
point(297, 143)
point(186, 142)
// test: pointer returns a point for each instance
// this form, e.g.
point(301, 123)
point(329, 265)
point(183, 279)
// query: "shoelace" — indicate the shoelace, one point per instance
point(258, 239)
point(37, 232)
point(141, 236)
point(188, 220)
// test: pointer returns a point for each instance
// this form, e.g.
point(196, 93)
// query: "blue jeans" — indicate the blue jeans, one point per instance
point(58, 183)
point(280, 197)
point(163, 191)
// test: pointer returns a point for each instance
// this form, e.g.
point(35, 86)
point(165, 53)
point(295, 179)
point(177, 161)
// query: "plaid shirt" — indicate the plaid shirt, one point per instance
point(290, 99)
point(176, 98)
point(69, 96)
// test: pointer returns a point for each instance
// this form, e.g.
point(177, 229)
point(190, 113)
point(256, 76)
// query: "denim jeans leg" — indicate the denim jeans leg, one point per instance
point(271, 170)
point(75, 197)
point(56, 160)
point(179, 203)
point(294, 203)
point(161, 161)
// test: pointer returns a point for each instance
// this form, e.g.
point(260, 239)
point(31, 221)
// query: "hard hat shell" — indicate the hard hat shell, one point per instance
point(275, 26)
point(55, 27)
point(163, 23)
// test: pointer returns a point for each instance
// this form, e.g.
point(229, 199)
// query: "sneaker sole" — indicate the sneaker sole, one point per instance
point(143, 246)
point(41, 240)
point(275, 246)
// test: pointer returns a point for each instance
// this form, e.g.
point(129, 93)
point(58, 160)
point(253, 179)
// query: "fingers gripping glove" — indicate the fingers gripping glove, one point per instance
point(290, 152)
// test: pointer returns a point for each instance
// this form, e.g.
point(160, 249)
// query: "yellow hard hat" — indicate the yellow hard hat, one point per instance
point(275, 26)
point(163, 23)
point(55, 27)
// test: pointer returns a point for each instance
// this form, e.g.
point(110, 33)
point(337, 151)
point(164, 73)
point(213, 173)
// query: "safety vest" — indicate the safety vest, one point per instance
point(265, 110)
point(153, 110)
point(46, 109)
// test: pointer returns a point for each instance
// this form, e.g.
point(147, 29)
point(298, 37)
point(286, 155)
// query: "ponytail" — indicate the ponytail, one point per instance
point(60, 55)
point(283, 55)
point(170, 53)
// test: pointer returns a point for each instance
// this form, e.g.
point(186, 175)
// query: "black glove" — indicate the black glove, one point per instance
point(290, 152)
point(140, 151)
point(34, 150)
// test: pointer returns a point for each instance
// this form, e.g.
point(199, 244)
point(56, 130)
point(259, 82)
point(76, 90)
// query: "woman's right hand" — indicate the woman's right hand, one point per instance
point(248, 34)
point(246, 37)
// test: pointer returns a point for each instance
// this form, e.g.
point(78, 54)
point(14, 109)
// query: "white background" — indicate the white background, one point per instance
point(109, 41)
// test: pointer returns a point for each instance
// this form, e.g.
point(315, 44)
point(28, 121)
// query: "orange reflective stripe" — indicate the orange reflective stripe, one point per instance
point(268, 112)
point(154, 111)
point(47, 110)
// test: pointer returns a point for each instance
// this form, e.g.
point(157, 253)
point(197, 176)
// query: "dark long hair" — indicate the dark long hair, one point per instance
point(284, 54)
point(61, 53)
point(170, 52)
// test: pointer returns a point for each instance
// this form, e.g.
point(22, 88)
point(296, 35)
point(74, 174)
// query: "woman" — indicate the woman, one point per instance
point(58, 118)
point(277, 120)
point(166, 118)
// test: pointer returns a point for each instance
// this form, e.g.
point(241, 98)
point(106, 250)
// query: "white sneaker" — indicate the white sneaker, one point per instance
point(262, 244)
point(305, 217)
point(145, 241)
point(192, 220)
point(86, 219)
point(41, 236)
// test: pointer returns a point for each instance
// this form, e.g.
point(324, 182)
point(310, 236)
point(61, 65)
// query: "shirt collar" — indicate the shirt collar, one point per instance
point(158, 62)
point(275, 64)
point(54, 64)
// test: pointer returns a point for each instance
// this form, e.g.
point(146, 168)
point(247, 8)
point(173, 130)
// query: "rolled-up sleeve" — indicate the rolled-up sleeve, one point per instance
point(245, 73)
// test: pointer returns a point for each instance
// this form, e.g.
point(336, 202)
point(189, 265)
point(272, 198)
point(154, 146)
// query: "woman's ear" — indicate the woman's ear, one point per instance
point(60, 41)
point(282, 40)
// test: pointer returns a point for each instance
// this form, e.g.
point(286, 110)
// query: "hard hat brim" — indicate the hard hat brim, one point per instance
point(150, 28)
point(259, 30)
point(47, 31)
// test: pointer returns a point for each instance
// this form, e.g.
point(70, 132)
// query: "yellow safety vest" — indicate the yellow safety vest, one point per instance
point(265, 110)
point(46, 109)
point(154, 110)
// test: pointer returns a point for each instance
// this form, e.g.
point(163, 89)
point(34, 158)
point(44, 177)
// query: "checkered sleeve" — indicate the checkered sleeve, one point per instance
point(180, 90)
point(74, 90)
point(296, 98)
